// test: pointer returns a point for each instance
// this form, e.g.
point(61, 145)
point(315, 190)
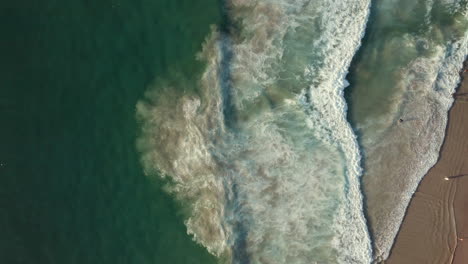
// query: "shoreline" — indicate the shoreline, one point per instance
point(435, 228)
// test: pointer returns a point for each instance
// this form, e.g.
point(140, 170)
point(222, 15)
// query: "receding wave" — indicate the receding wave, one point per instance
point(259, 147)
point(409, 72)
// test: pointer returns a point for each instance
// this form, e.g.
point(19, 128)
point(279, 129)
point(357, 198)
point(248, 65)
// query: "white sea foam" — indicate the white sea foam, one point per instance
point(263, 152)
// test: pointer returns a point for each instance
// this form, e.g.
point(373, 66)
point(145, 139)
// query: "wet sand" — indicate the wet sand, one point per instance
point(435, 228)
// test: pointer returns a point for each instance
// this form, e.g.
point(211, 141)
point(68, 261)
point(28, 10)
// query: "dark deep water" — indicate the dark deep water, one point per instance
point(71, 186)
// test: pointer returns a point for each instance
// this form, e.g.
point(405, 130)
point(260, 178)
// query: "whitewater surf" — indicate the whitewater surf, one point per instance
point(260, 150)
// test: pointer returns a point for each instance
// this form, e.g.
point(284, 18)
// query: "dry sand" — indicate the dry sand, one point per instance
point(435, 228)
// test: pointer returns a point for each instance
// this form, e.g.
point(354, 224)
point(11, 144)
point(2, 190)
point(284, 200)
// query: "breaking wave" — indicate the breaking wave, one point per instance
point(259, 148)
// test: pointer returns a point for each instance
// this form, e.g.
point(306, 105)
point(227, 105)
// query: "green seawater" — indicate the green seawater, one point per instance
point(72, 189)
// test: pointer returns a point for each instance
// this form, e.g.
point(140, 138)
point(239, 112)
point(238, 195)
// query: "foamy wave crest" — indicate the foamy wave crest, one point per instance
point(262, 151)
point(398, 154)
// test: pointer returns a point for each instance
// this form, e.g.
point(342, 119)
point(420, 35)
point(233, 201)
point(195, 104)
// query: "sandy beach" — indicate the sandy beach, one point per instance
point(435, 228)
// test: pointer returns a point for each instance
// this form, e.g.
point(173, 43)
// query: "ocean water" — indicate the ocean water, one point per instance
point(232, 131)
point(72, 189)
point(261, 149)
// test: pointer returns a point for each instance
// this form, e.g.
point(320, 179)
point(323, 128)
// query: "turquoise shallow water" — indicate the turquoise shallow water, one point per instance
point(72, 189)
